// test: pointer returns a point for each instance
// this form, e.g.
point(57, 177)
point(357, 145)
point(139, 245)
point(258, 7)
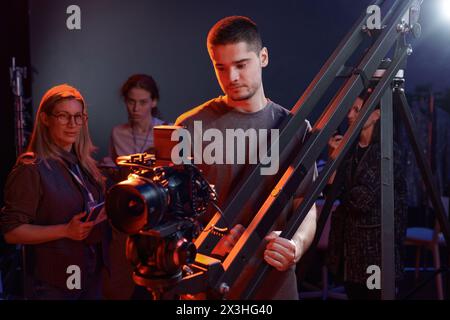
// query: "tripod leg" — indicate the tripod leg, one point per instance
point(437, 266)
point(416, 272)
point(387, 199)
point(424, 166)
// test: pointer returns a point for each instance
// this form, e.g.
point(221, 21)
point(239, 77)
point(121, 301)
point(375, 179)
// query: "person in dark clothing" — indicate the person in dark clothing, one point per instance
point(355, 234)
point(47, 196)
point(140, 95)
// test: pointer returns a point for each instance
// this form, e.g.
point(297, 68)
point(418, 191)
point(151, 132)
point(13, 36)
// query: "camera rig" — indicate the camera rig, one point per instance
point(265, 197)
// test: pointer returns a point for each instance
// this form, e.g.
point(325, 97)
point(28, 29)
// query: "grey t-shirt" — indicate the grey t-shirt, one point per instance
point(216, 114)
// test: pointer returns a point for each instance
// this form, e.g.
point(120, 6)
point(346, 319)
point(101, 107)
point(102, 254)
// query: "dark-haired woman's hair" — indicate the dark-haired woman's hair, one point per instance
point(142, 81)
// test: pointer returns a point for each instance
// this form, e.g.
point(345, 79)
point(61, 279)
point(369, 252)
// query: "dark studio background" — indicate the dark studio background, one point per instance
point(167, 40)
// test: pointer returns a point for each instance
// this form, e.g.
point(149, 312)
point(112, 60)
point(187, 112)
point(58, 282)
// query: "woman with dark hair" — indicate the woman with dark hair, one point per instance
point(355, 234)
point(141, 95)
point(47, 196)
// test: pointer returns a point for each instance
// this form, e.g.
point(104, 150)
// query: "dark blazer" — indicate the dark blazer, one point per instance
point(355, 234)
point(45, 193)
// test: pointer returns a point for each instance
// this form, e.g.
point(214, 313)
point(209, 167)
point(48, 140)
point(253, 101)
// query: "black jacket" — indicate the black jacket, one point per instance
point(45, 193)
point(355, 234)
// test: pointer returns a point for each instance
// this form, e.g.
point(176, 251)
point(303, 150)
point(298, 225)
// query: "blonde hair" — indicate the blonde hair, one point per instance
point(41, 143)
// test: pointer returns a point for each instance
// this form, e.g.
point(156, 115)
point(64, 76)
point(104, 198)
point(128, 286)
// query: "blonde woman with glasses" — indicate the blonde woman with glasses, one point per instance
point(48, 196)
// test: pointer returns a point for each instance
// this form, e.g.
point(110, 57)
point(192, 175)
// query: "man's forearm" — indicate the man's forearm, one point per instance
point(305, 233)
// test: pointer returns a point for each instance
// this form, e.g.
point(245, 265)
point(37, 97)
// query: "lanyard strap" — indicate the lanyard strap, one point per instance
point(136, 148)
point(81, 182)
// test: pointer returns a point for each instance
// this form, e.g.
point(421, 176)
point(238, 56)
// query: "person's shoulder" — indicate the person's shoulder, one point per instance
point(26, 174)
point(27, 165)
point(28, 159)
point(279, 109)
point(200, 112)
point(157, 122)
point(283, 112)
point(120, 129)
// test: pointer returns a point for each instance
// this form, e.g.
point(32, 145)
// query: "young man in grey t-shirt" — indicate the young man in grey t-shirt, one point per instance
point(237, 54)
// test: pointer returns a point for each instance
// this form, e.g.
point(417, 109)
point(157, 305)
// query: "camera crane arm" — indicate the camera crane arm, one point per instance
point(400, 20)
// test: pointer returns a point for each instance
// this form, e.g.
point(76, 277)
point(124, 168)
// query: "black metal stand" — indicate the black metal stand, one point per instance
point(426, 173)
point(17, 74)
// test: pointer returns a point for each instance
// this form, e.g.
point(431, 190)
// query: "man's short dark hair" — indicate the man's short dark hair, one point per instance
point(235, 29)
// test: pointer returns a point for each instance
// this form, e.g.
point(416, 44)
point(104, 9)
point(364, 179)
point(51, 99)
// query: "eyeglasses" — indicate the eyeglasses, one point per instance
point(64, 118)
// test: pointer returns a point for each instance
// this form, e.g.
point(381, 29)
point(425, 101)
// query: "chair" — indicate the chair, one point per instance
point(430, 239)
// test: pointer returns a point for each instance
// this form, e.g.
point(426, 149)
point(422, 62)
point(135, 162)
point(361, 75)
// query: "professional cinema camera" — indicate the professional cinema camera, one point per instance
point(158, 207)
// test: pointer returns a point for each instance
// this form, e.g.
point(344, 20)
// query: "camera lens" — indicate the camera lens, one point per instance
point(136, 204)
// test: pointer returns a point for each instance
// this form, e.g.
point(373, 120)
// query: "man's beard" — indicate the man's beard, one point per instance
point(243, 96)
